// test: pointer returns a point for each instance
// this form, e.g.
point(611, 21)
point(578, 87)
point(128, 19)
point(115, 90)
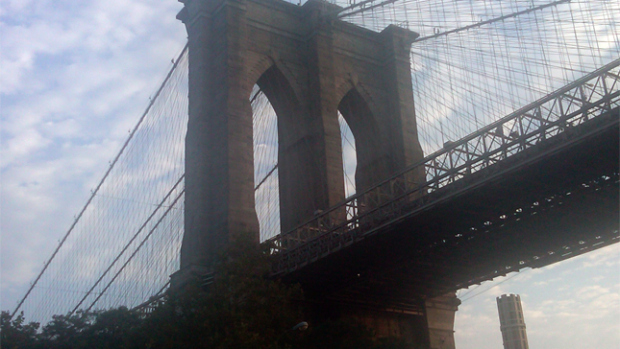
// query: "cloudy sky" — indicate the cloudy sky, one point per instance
point(76, 76)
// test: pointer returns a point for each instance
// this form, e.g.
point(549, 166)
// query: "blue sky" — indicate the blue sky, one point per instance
point(76, 76)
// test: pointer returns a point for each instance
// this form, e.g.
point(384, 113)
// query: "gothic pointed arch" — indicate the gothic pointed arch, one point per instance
point(298, 164)
point(369, 142)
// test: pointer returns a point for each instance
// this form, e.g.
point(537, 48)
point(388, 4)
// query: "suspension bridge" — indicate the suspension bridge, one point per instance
point(516, 117)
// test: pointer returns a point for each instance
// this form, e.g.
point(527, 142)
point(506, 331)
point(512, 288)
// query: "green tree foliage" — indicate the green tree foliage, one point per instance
point(245, 309)
point(114, 328)
point(67, 331)
point(109, 329)
point(16, 333)
point(242, 309)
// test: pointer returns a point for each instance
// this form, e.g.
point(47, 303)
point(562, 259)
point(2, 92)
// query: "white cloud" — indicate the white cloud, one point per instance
point(571, 304)
point(75, 77)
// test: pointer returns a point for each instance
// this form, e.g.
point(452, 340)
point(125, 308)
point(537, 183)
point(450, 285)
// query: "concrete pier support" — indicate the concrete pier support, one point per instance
point(429, 325)
point(440, 314)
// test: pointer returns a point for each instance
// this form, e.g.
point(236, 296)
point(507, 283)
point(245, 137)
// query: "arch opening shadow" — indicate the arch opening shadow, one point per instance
point(371, 166)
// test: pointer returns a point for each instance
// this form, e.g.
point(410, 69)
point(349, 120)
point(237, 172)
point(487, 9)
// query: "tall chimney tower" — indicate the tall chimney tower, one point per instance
point(511, 322)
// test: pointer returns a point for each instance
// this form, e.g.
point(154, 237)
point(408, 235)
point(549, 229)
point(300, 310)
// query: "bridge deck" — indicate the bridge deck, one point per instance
point(522, 212)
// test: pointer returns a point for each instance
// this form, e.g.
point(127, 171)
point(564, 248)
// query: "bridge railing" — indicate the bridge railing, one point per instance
point(595, 94)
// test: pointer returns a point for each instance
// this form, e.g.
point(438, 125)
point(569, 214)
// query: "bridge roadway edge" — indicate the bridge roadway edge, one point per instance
point(404, 264)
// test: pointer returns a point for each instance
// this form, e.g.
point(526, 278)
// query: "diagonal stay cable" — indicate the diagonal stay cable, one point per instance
point(142, 228)
point(120, 254)
point(136, 250)
point(105, 176)
point(492, 20)
point(266, 177)
point(159, 295)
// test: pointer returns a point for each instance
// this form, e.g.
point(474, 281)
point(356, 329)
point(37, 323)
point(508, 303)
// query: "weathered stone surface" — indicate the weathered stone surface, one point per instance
point(310, 65)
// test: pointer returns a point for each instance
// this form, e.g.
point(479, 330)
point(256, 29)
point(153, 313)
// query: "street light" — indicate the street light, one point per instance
point(302, 326)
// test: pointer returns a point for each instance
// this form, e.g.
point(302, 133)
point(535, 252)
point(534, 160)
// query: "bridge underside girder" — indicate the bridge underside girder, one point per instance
point(543, 205)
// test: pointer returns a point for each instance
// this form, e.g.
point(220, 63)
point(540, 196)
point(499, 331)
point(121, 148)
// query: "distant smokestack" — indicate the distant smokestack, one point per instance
point(511, 322)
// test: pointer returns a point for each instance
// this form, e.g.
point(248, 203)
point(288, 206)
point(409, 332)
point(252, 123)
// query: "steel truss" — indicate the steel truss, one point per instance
point(593, 95)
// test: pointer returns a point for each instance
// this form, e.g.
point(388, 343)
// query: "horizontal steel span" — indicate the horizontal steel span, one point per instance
point(560, 135)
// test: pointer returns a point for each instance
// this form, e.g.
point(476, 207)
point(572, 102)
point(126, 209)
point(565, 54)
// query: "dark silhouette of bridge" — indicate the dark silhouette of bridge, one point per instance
point(535, 187)
point(537, 184)
point(527, 191)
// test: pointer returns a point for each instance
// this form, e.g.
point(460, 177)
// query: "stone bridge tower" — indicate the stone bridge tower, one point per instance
point(310, 65)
